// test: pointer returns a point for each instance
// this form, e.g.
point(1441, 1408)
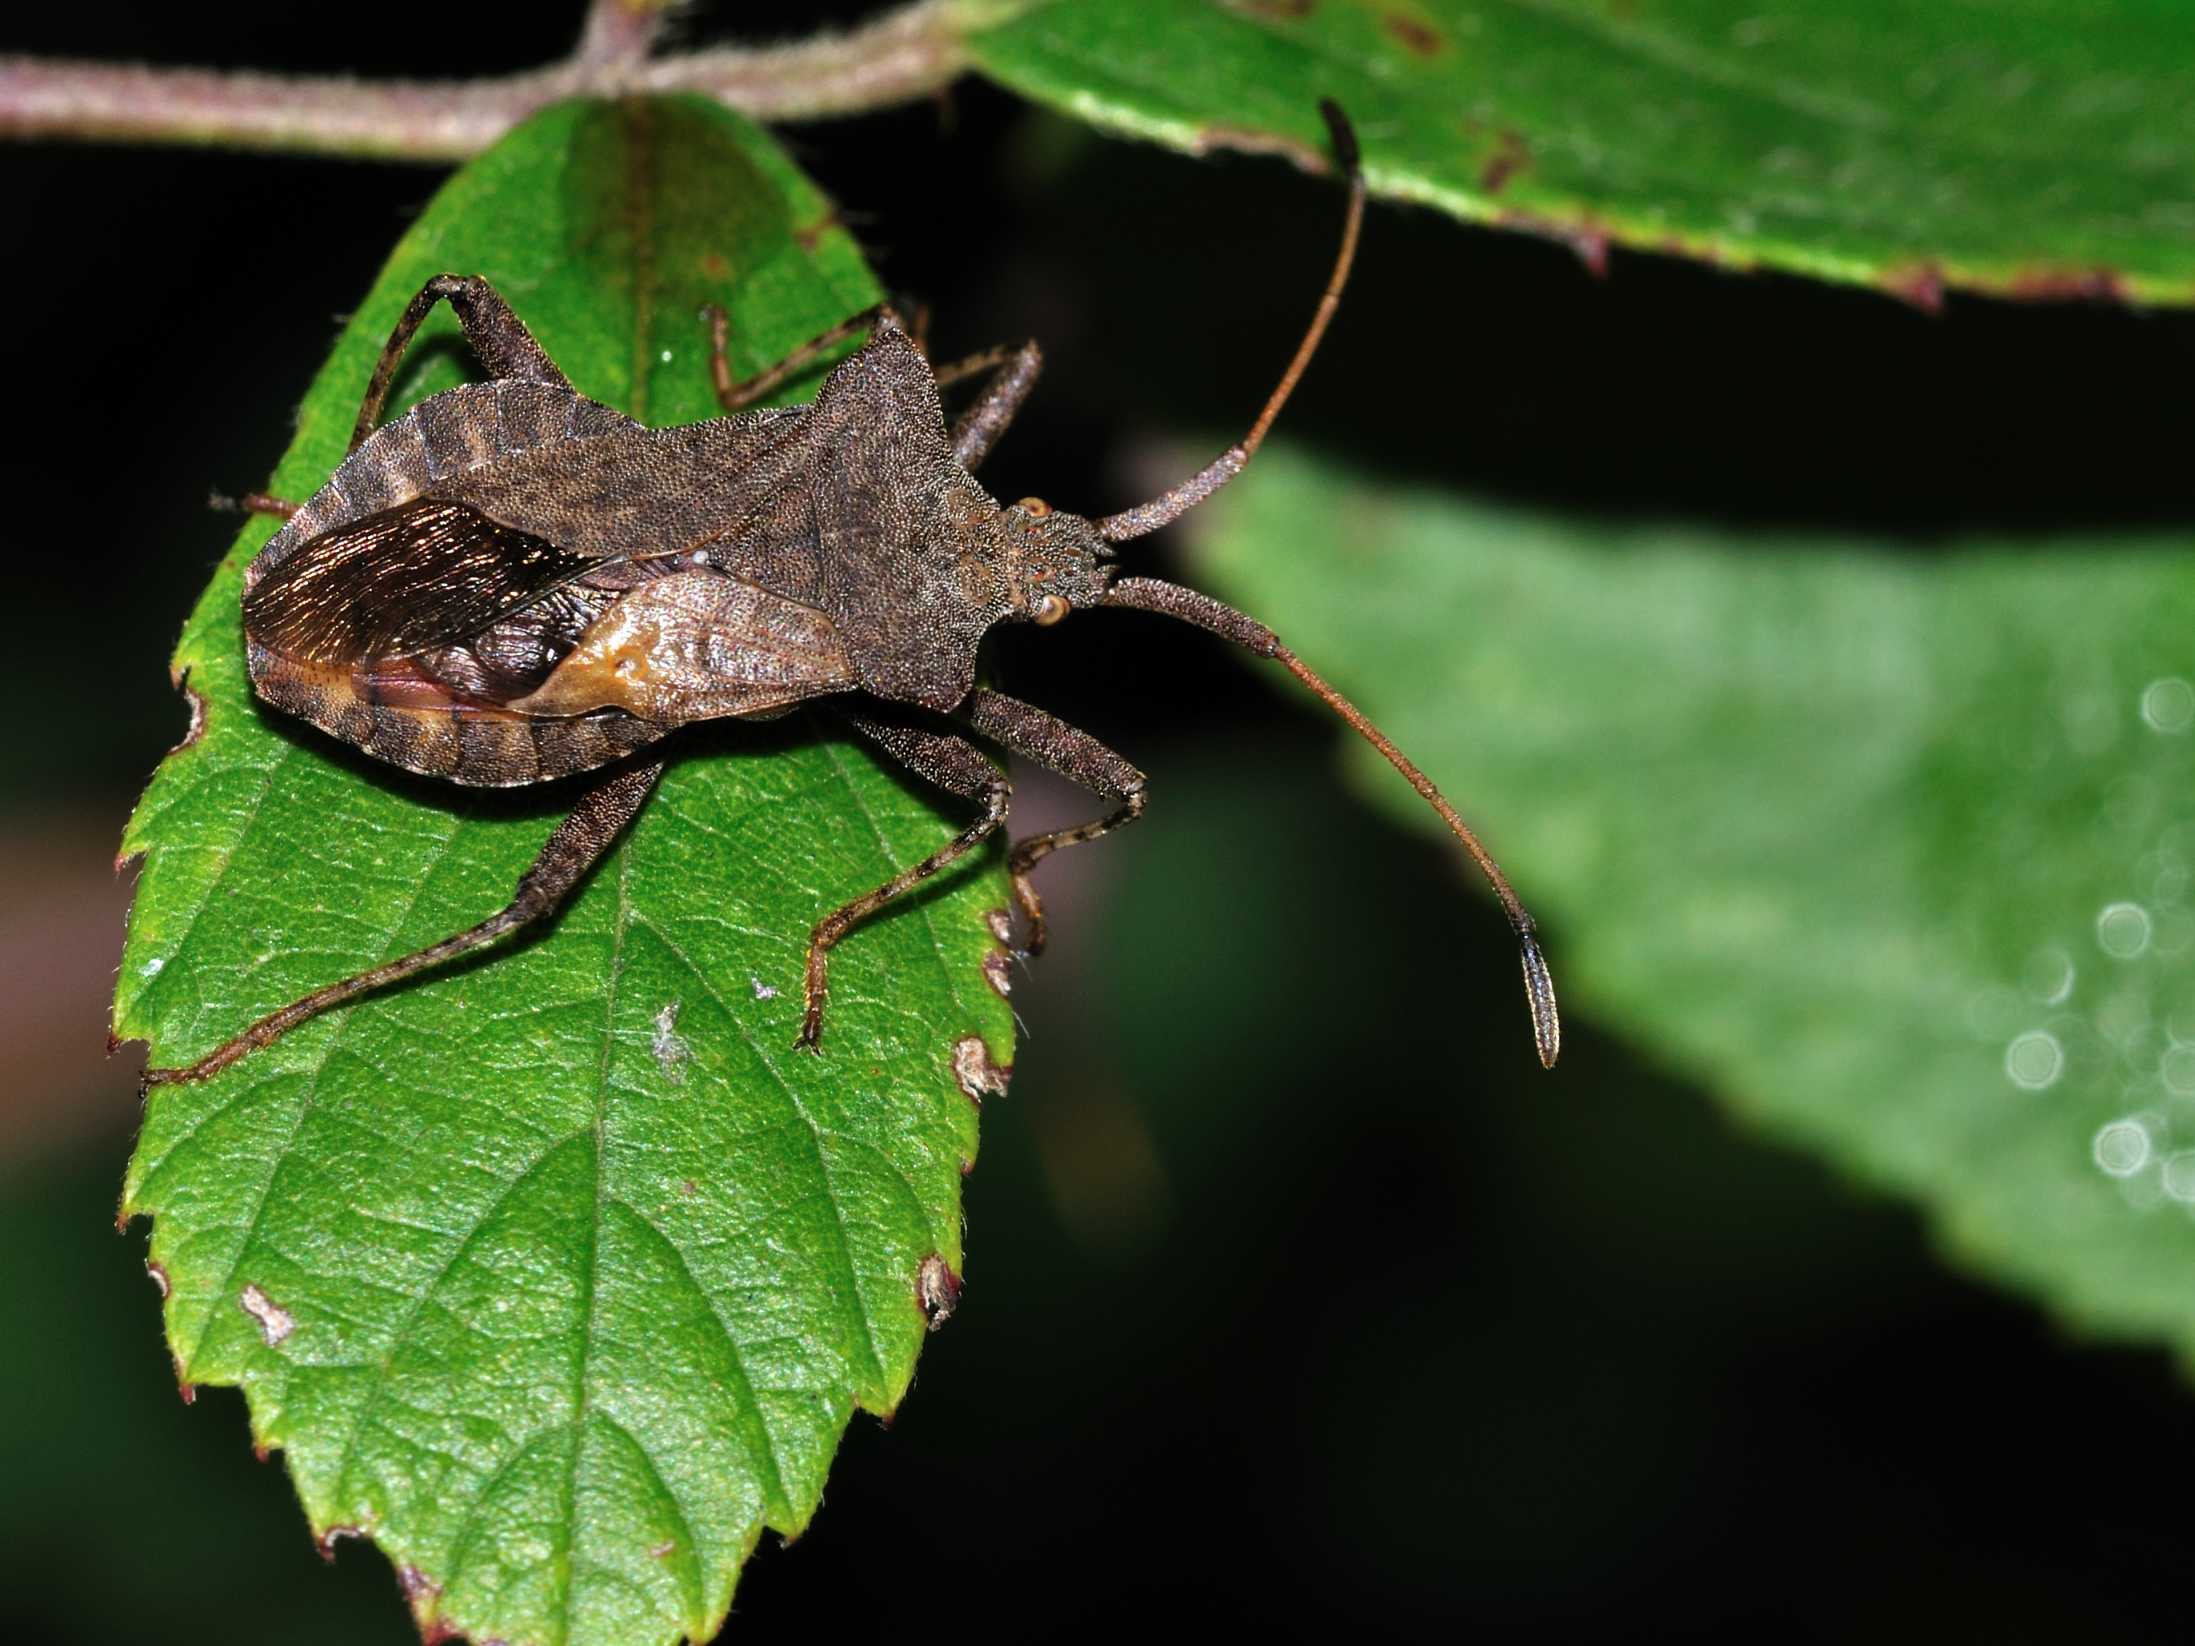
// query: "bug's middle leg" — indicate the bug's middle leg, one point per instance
point(736, 394)
point(253, 503)
point(953, 764)
point(1076, 756)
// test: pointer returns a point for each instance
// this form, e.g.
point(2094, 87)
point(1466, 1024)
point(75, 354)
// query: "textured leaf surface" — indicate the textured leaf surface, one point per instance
point(559, 1274)
point(2036, 147)
point(1894, 853)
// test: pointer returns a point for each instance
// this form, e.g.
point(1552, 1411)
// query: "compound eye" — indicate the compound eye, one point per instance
point(1034, 507)
point(1050, 610)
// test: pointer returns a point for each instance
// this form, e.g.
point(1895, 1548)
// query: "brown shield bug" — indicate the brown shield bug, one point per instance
point(512, 584)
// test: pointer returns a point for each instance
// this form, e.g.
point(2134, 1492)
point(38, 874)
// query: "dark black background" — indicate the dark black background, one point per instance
point(1307, 1313)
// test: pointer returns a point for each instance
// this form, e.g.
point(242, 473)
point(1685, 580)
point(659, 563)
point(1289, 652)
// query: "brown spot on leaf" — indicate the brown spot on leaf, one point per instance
point(1918, 284)
point(714, 266)
point(1589, 241)
point(2068, 286)
point(417, 1585)
point(275, 1322)
point(1249, 140)
point(196, 699)
point(998, 972)
point(1274, 11)
point(1511, 154)
point(159, 1277)
point(183, 1385)
point(979, 1077)
point(1415, 34)
point(937, 1289)
point(420, 1593)
point(810, 235)
point(261, 1451)
point(1001, 924)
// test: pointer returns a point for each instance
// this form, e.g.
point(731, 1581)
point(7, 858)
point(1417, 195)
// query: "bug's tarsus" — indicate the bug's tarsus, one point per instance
point(575, 847)
point(953, 764)
point(1075, 755)
point(252, 503)
point(1165, 509)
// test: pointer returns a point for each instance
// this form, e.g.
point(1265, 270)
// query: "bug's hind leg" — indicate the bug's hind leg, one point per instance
point(505, 347)
point(953, 764)
point(1076, 756)
point(577, 845)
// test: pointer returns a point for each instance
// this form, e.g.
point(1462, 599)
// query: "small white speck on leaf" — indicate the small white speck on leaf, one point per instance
point(671, 1051)
point(275, 1322)
point(979, 1077)
point(938, 1290)
point(762, 990)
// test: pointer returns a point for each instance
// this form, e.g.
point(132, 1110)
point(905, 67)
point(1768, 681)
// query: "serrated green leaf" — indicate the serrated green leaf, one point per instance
point(559, 1273)
point(1892, 852)
point(2029, 147)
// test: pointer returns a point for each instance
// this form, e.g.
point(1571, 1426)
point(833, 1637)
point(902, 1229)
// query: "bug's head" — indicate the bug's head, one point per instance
point(1055, 561)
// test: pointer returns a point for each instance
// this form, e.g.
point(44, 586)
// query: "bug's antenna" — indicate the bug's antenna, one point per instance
point(1151, 594)
point(1164, 510)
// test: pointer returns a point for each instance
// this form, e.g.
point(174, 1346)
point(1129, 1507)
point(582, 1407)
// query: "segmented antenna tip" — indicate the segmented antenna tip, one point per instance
point(1539, 994)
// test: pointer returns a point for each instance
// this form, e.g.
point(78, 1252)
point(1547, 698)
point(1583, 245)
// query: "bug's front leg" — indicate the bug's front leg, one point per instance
point(576, 846)
point(953, 764)
point(1013, 376)
point(1076, 756)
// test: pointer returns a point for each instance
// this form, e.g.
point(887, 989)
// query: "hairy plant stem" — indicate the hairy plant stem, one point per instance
point(907, 54)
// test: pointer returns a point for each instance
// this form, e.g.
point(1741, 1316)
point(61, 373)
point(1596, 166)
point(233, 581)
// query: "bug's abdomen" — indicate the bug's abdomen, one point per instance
point(398, 712)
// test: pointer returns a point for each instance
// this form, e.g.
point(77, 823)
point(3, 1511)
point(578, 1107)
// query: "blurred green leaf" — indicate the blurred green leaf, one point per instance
point(558, 1274)
point(2030, 147)
point(1890, 850)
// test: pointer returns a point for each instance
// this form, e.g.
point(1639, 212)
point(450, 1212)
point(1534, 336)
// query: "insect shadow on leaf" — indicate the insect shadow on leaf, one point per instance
point(512, 584)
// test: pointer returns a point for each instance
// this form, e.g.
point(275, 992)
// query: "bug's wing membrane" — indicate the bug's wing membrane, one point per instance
point(424, 574)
